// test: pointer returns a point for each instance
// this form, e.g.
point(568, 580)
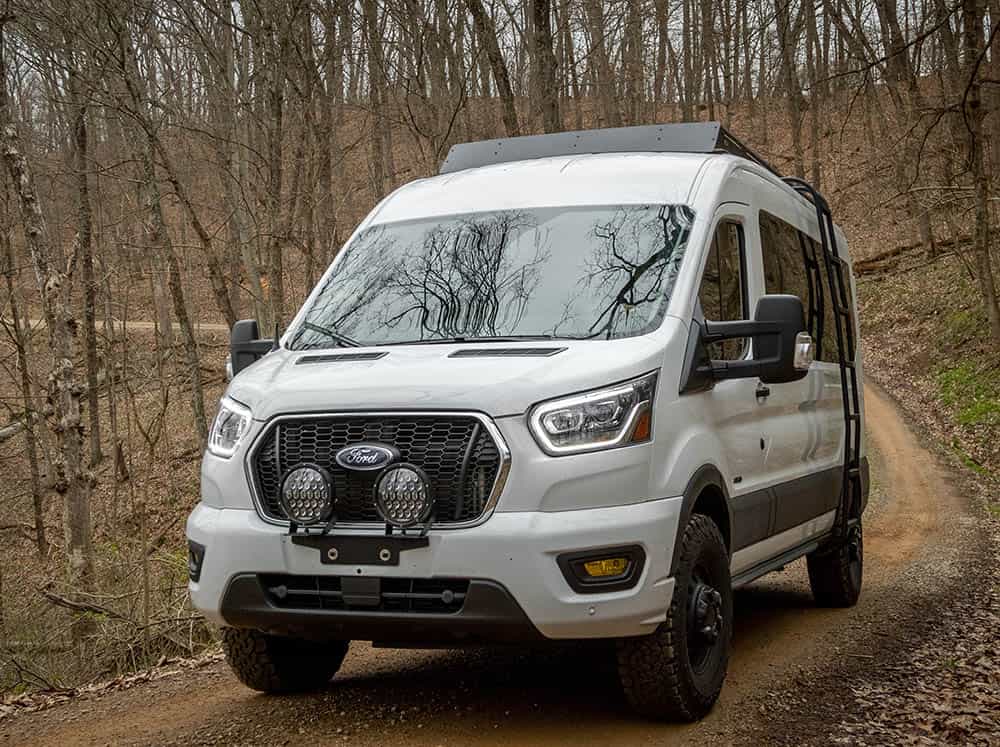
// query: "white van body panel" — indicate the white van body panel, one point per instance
point(425, 377)
point(554, 504)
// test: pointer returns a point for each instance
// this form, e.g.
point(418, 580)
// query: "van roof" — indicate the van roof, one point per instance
point(586, 179)
point(680, 137)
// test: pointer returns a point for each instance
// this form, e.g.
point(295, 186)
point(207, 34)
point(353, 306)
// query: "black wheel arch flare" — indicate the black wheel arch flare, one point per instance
point(706, 477)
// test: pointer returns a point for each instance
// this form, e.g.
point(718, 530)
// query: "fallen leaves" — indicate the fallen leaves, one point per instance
point(43, 699)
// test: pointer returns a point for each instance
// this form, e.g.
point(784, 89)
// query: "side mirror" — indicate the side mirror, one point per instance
point(782, 349)
point(245, 346)
point(785, 354)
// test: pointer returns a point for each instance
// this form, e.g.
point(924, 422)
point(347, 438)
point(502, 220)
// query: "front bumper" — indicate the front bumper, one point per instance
point(511, 559)
point(489, 615)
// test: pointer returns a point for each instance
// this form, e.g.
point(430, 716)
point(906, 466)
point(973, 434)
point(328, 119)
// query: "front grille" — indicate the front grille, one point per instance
point(407, 595)
point(457, 452)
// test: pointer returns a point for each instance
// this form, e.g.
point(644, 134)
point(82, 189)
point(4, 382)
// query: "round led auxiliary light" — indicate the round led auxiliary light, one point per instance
point(307, 494)
point(403, 495)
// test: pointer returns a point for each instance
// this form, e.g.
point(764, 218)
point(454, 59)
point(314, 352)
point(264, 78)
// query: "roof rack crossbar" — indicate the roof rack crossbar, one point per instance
point(682, 137)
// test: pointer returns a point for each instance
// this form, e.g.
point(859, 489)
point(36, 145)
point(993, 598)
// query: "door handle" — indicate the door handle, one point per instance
point(761, 392)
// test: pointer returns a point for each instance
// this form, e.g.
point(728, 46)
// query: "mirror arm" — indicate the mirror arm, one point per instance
point(718, 331)
point(742, 369)
point(739, 369)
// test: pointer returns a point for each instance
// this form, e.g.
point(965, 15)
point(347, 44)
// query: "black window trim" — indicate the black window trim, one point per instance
point(820, 290)
point(741, 223)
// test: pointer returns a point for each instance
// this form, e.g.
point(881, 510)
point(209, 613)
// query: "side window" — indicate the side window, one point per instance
point(784, 258)
point(722, 292)
point(793, 263)
point(826, 335)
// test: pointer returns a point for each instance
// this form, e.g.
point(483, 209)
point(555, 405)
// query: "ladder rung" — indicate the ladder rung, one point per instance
point(844, 312)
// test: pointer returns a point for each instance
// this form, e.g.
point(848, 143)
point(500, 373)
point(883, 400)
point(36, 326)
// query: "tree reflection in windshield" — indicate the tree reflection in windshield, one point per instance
point(464, 282)
point(634, 259)
point(577, 272)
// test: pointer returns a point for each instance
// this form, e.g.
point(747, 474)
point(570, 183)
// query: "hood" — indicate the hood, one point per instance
point(427, 377)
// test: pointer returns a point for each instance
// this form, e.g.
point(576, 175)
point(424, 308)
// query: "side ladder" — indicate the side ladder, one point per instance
point(849, 508)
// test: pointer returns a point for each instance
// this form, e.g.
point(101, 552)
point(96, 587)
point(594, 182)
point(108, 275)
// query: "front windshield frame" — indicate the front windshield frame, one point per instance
point(676, 221)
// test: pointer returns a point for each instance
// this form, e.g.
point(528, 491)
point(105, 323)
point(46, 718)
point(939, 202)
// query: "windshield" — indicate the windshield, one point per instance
point(577, 272)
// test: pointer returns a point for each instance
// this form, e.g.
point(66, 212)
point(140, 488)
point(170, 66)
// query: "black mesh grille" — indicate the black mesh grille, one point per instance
point(416, 595)
point(457, 453)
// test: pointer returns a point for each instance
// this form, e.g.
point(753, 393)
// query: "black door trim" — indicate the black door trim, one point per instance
point(804, 498)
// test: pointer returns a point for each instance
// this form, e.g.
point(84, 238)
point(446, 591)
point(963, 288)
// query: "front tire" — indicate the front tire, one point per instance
point(835, 572)
point(276, 664)
point(676, 673)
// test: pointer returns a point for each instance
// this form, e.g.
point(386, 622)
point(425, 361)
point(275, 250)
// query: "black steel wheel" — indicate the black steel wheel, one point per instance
point(676, 673)
point(705, 624)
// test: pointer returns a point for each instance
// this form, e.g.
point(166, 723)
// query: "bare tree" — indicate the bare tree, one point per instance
point(486, 31)
point(50, 266)
point(545, 66)
point(973, 50)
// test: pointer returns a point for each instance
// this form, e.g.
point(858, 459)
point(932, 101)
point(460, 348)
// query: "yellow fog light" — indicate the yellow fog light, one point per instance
point(606, 567)
point(603, 569)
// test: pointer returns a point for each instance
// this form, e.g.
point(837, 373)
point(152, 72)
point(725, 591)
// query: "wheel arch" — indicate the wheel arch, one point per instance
point(705, 493)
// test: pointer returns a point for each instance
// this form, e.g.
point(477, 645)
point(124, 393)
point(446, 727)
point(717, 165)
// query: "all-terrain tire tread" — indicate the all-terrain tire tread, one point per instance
point(273, 665)
point(830, 577)
point(650, 666)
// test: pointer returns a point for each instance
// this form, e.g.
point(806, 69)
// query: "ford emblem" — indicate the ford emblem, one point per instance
point(366, 457)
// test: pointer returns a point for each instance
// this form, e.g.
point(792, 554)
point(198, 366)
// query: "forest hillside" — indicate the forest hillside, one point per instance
point(172, 166)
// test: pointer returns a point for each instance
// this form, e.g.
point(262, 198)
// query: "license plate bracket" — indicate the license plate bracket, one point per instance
point(358, 550)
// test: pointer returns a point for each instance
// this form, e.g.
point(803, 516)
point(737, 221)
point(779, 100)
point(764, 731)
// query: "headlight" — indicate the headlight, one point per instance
point(617, 415)
point(229, 427)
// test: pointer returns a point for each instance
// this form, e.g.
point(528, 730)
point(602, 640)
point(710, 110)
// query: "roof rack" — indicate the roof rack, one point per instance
point(683, 137)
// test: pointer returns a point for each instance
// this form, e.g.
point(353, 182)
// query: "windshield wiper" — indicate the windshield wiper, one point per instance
point(343, 340)
point(485, 338)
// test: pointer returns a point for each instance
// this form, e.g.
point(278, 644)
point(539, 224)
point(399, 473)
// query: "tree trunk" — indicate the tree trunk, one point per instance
point(687, 93)
point(49, 262)
point(793, 93)
point(11, 275)
point(376, 72)
point(220, 290)
point(605, 79)
point(972, 15)
point(84, 230)
point(545, 62)
point(812, 53)
point(632, 62)
point(487, 35)
point(159, 238)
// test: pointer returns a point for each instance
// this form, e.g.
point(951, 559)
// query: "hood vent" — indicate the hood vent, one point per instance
point(506, 352)
point(341, 357)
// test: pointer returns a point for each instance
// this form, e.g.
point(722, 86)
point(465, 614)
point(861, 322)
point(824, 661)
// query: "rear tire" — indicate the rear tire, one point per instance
point(836, 571)
point(276, 664)
point(676, 673)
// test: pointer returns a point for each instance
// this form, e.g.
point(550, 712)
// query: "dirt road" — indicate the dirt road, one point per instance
point(918, 532)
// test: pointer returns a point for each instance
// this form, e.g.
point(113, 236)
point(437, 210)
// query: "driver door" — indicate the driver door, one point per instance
point(732, 407)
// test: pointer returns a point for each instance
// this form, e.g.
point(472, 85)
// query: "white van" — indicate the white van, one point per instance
point(576, 386)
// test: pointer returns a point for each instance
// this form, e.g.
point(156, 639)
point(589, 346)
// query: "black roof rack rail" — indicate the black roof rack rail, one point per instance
point(682, 137)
